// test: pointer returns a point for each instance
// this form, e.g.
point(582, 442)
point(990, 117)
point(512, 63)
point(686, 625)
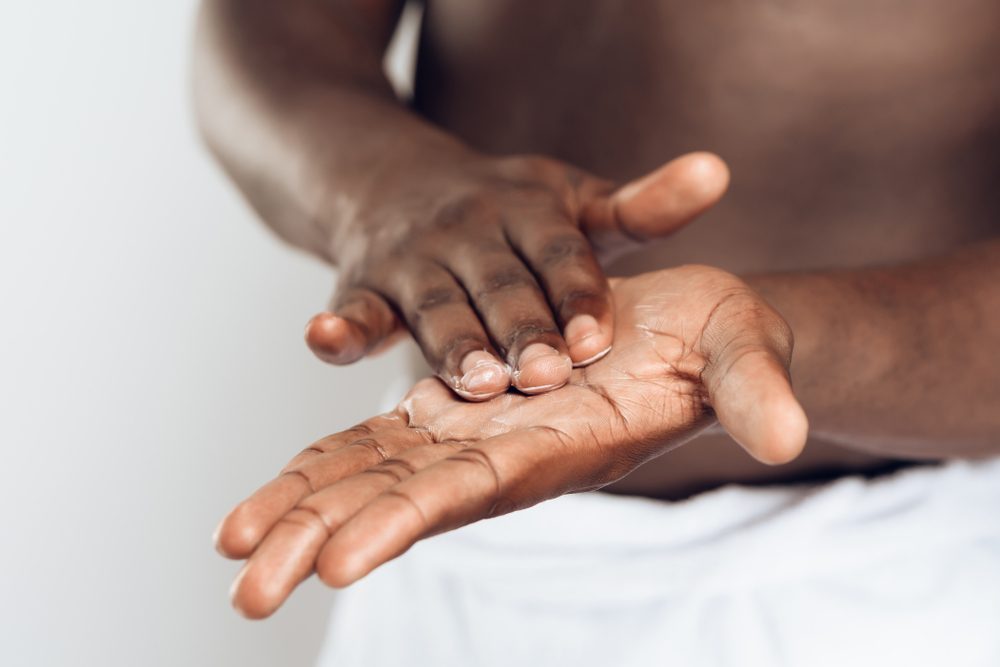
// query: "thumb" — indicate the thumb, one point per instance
point(359, 323)
point(659, 203)
point(748, 387)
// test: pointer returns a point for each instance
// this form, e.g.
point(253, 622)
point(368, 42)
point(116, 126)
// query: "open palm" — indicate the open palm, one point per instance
point(692, 345)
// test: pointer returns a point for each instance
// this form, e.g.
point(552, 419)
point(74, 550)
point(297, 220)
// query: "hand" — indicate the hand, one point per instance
point(693, 344)
point(493, 268)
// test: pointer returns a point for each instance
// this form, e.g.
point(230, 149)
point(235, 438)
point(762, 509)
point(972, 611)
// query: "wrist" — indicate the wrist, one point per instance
point(845, 339)
point(799, 299)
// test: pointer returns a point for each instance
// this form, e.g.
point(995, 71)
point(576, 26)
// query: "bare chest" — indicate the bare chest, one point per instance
point(857, 131)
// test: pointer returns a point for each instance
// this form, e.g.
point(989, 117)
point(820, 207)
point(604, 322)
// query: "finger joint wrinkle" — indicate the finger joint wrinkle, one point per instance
point(374, 447)
point(389, 469)
point(563, 248)
point(478, 457)
point(503, 280)
point(298, 473)
point(308, 517)
point(410, 502)
point(360, 429)
point(436, 298)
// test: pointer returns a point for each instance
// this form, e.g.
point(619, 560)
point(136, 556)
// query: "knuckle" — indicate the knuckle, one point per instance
point(505, 279)
point(430, 299)
point(758, 322)
point(480, 244)
point(465, 209)
point(524, 166)
point(536, 169)
point(563, 248)
point(534, 196)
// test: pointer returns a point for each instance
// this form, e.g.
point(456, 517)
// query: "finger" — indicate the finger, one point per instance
point(360, 322)
point(450, 334)
point(657, 204)
point(562, 259)
point(284, 559)
point(497, 476)
point(750, 391)
point(517, 315)
point(319, 465)
point(288, 553)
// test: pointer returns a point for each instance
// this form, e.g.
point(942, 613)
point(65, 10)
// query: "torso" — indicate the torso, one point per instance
point(858, 133)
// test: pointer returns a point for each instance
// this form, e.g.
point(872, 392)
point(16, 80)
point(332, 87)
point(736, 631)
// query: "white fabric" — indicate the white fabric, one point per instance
point(901, 570)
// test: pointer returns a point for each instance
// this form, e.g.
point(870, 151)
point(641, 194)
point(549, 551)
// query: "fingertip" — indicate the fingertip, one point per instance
point(482, 377)
point(673, 195)
point(334, 339)
point(236, 537)
point(706, 176)
point(338, 570)
point(239, 534)
point(754, 402)
point(541, 368)
point(789, 432)
point(247, 598)
point(586, 339)
point(780, 432)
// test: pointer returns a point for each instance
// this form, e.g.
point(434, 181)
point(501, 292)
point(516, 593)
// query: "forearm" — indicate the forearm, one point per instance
point(292, 100)
point(901, 361)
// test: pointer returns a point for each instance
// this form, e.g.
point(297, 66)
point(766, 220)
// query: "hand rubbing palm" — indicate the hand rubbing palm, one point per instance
point(692, 344)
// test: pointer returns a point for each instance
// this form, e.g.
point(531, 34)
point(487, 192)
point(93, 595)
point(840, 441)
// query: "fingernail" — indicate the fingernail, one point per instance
point(334, 339)
point(591, 359)
point(580, 328)
point(541, 368)
point(482, 374)
point(586, 340)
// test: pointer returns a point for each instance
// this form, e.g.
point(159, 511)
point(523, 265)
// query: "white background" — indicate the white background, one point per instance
point(152, 370)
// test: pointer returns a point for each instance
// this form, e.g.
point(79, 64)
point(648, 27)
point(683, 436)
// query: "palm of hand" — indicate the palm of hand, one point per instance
point(632, 404)
point(688, 342)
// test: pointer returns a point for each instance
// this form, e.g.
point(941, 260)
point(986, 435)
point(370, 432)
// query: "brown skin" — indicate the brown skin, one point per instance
point(691, 343)
point(473, 272)
point(864, 142)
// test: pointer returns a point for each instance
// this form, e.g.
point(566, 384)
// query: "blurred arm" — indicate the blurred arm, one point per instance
point(901, 361)
point(292, 99)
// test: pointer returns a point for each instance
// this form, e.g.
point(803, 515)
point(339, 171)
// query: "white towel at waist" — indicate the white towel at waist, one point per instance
point(899, 570)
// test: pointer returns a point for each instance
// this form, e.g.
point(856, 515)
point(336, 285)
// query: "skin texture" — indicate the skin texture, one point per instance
point(693, 344)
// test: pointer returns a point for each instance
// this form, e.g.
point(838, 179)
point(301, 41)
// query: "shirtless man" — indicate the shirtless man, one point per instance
point(863, 141)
